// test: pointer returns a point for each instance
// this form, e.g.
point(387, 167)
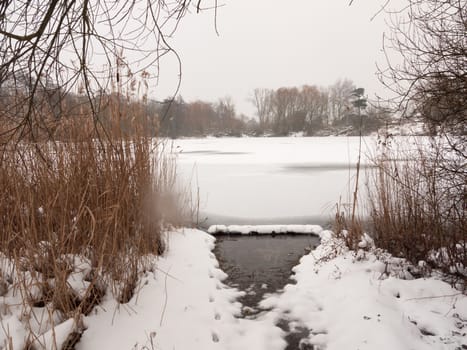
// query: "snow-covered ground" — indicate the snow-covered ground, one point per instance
point(347, 300)
point(405, 127)
point(183, 304)
point(369, 300)
point(283, 180)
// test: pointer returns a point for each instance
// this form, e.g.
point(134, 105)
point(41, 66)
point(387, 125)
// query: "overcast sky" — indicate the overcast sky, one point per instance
point(275, 43)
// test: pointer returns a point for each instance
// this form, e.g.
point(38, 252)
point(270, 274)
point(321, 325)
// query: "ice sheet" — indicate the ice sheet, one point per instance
point(253, 178)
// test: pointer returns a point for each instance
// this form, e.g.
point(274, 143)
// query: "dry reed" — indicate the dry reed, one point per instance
point(93, 200)
point(418, 206)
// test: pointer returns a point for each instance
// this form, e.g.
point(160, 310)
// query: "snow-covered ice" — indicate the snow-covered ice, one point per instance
point(238, 179)
point(264, 229)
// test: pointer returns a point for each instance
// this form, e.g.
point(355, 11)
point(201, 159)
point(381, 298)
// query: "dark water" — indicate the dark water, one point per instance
point(263, 264)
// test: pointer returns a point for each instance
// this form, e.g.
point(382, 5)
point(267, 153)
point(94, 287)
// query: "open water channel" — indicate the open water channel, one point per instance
point(259, 265)
point(267, 181)
point(247, 181)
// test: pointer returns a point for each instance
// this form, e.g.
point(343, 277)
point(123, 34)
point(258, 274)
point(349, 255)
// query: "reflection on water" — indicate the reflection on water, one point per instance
point(261, 264)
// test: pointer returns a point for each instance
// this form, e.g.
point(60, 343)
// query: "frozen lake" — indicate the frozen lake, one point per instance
point(270, 180)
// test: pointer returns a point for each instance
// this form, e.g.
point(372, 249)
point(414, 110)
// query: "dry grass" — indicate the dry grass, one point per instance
point(348, 225)
point(418, 206)
point(94, 201)
point(101, 200)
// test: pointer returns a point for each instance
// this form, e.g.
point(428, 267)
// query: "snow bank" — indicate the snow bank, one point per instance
point(358, 300)
point(183, 304)
point(265, 229)
point(180, 304)
point(348, 300)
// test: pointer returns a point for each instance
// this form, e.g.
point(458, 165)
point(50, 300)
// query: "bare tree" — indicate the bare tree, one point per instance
point(314, 102)
point(225, 110)
point(429, 82)
point(262, 100)
point(339, 99)
point(429, 37)
point(285, 106)
point(66, 45)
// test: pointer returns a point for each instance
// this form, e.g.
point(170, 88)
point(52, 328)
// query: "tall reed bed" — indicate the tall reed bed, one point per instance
point(83, 213)
point(418, 204)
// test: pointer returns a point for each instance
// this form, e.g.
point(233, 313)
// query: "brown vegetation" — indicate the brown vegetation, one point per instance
point(84, 205)
point(417, 197)
point(315, 110)
point(418, 210)
point(86, 191)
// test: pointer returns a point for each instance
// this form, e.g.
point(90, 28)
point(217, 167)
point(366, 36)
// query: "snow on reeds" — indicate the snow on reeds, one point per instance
point(81, 215)
point(418, 205)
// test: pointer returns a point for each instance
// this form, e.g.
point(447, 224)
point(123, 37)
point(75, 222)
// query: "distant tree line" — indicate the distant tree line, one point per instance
point(177, 118)
point(310, 110)
point(313, 110)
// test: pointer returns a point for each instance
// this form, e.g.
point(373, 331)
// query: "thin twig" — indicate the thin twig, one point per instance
point(166, 297)
point(436, 297)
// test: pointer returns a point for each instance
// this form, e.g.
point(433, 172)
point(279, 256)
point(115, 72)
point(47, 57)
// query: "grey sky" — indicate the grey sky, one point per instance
point(272, 43)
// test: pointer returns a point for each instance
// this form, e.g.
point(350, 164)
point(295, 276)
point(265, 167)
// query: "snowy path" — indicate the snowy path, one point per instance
point(345, 301)
point(182, 305)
